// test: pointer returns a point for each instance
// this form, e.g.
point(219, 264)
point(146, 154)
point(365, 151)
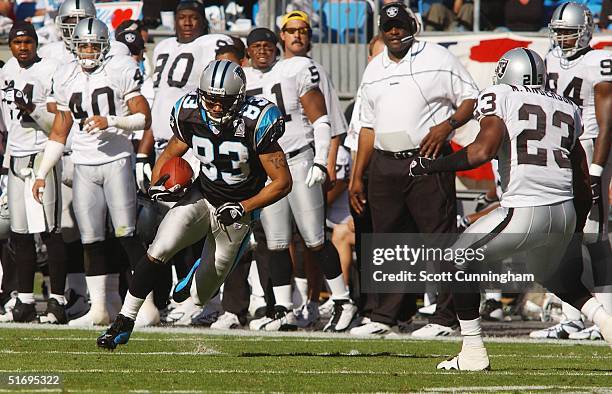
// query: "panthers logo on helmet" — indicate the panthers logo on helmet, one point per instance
point(392, 12)
point(500, 70)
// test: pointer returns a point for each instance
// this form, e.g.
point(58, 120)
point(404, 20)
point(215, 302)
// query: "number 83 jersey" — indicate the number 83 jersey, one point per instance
point(230, 168)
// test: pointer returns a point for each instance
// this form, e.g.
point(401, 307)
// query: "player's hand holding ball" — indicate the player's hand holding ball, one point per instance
point(229, 213)
point(174, 181)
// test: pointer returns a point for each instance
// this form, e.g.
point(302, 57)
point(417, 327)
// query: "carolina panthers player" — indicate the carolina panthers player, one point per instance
point(584, 75)
point(235, 139)
point(178, 61)
point(545, 197)
point(103, 95)
point(26, 83)
point(293, 84)
point(68, 16)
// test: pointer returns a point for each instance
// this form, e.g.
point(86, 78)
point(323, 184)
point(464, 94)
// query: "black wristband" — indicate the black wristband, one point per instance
point(458, 161)
point(142, 159)
point(322, 167)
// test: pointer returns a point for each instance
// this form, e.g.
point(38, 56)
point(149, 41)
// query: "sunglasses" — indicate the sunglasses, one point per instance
point(292, 30)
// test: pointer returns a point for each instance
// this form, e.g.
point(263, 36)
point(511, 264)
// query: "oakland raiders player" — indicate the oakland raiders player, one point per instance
point(583, 74)
point(545, 196)
point(103, 95)
point(293, 84)
point(69, 14)
point(178, 62)
point(235, 139)
point(26, 83)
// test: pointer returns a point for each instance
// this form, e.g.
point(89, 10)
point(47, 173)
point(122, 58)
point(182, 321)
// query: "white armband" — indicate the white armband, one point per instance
point(53, 153)
point(129, 123)
point(322, 139)
point(43, 118)
point(595, 170)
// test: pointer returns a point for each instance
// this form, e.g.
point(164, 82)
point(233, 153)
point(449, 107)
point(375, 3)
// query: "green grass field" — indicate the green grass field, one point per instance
point(193, 362)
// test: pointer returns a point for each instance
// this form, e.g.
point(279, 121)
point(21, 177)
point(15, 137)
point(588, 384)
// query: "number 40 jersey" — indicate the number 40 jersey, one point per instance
point(230, 168)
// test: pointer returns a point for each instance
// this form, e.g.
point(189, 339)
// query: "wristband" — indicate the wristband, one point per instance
point(53, 153)
point(595, 170)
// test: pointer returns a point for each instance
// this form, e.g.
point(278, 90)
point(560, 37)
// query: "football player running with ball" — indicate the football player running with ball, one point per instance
point(236, 139)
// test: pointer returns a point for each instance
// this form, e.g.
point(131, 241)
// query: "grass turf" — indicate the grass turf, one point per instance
point(193, 362)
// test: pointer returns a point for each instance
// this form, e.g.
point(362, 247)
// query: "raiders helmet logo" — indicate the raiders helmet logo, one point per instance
point(500, 70)
point(392, 12)
point(130, 37)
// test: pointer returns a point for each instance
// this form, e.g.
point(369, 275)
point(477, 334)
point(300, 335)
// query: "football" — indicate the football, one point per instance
point(179, 172)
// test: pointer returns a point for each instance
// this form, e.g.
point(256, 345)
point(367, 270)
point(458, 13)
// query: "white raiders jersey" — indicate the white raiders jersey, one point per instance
point(542, 129)
point(284, 84)
point(57, 50)
point(177, 71)
point(25, 136)
point(332, 103)
point(576, 79)
point(103, 92)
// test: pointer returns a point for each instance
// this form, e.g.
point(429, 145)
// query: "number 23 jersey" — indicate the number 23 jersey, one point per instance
point(542, 129)
point(230, 168)
point(576, 80)
point(103, 92)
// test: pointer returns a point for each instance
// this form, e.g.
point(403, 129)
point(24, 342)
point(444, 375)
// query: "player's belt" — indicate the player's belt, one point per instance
point(405, 154)
point(297, 152)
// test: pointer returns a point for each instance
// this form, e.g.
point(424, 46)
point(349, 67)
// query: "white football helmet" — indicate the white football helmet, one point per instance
point(90, 31)
point(78, 9)
point(520, 66)
point(571, 22)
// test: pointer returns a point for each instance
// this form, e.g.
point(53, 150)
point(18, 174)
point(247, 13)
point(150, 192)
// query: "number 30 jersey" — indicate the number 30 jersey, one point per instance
point(542, 129)
point(177, 71)
point(284, 84)
point(576, 80)
point(104, 92)
point(230, 168)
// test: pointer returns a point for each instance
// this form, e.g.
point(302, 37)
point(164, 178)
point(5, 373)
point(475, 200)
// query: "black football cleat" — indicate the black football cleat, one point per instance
point(117, 334)
point(24, 313)
point(55, 313)
point(182, 290)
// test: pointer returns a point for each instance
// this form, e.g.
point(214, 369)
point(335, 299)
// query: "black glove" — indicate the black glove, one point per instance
point(596, 189)
point(420, 166)
point(229, 213)
point(158, 192)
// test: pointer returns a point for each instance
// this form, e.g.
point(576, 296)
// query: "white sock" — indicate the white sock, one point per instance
point(493, 295)
point(301, 285)
point(282, 294)
point(605, 298)
point(193, 292)
point(76, 281)
point(27, 298)
point(471, 332)
point(131, 305)
point(254, 280)
point(60, 298)
point(570, 312)
point(97, 291)
point(594, 311)
point(338, 288)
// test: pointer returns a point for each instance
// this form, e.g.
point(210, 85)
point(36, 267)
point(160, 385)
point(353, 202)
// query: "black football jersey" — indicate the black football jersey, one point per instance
point(230, 168)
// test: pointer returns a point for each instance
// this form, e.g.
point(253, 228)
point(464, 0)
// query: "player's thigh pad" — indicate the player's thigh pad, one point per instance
point(120, 194)
point(306, 203)
point(185, 224)
point(89, 202)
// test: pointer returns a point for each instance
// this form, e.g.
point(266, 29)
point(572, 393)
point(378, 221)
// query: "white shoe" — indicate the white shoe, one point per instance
point(148, 314)
point(256, 302)
point(10, 304)
point(283, 320)
point(370, 329)
point(182, 314)
point(6, 317)
point(97, 316)
point(428, 310)
point(606, 331)
point(343, 314)
point(308, 315)
point(433, 331)
point(257, 324)
point(468, 360)
point(492, 310)
point(326, 309)
point(592, 333)
point(559, 331)
point(227, 321)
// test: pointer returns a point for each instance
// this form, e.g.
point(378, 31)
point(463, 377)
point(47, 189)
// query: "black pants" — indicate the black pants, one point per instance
point(402, 204)
point(363, 225)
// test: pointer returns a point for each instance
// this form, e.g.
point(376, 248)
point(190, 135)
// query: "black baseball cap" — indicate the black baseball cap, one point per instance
point(133, 40)
point(261, 34)
point(129, 25)
point(21, 29)
point(395, 12)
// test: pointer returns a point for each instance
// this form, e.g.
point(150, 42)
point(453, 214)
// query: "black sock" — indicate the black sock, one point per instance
point(329, 260)
point(280, 267)
point(146, 273)
point(94, 257)
point(57, 261)
point(74, 257)
point(25, 260)
point(133, 249)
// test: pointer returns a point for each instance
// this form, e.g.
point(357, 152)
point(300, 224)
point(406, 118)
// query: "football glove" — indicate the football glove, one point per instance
point(316, 174)
point(229, 213)
point(158, 192)
point(596, 188)
point(143, 172)
point(420, 166)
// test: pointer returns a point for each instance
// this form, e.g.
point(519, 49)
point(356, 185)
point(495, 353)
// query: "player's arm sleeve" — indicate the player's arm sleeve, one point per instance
point(175, 121)
point(270, 127)
point(308, 78)
point(462, 85)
